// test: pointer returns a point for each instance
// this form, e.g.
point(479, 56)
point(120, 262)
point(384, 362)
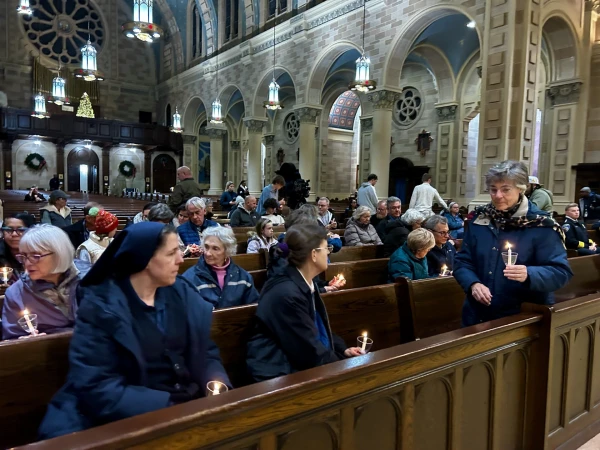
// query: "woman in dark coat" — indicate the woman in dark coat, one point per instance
point(494, 289)
point(292, 331)
point(142, 336)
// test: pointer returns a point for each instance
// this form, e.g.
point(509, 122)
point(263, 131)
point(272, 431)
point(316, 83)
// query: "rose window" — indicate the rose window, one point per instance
point(291, 125)
point(408, 109)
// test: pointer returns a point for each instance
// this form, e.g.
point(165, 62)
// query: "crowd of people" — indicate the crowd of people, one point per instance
point(141, 329)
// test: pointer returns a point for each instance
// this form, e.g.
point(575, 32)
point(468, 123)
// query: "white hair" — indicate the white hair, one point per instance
point(46, 238)
point(514, 171)
point(225, 235)
point(361, 210)
point(196, 202)
point(412, 216)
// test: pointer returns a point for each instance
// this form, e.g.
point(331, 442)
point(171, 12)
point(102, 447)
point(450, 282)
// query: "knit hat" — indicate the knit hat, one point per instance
point(106, 222)
point(585, 189)
point(55, 195)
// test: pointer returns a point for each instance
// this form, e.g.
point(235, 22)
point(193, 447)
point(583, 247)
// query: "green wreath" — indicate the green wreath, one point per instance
point(35, 162)
point(127, 169)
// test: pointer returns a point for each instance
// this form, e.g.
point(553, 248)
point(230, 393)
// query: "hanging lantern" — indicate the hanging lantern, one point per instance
point(216, 112)
point(362, 83)
point(89, 70)
point(40, 107)
point(142, 26)
point(58, 91)
point(176, 128)
point(24, 7)
point(273, 102)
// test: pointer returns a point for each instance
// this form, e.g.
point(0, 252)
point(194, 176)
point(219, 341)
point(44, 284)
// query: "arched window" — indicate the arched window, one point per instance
point(232, 15)
point(196, 43)
point(277, 7)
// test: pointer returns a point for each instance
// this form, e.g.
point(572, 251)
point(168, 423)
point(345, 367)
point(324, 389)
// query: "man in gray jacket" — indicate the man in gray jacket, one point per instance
point(367, 195)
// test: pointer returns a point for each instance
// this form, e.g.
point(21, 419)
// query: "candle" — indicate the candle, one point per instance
point(364, 343)
point(444, 268)
point(28, 320)
point(509, 262)
point(216, 389)
point(5, 274)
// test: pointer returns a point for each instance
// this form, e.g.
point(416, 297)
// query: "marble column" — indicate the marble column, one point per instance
point(447, 157)
point(269, 169)
point(255, 130)
point(106, 169)
point(190, 153)
point(234, 172)
point(8, 175)
point(216, 134)
point(147, 170)
point(366, 130)
point(381, 135)
point(308, 117)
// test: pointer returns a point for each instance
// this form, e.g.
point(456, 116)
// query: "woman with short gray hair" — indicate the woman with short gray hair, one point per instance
point(359, 231)
point(413, 218)
point(160, 213)
point(496, 286)
point(48, 287)
point(218, 279)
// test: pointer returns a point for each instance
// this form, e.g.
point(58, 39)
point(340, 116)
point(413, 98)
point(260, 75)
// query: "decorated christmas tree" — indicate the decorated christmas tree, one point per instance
point(85, 107)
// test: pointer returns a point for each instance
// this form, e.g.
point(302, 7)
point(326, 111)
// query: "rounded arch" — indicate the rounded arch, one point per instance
point(442, 71)
point(562, 42)
point(170, 25)
point(164, 172)
point(402, 45)
point(262, 90)
point(76, 158)
point(190, 113)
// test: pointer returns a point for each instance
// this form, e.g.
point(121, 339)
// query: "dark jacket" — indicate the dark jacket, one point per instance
point(242, 218)
point(185, 190)
point(480, 261)
point(438, 257)
point(7, 259)
point(403, 263)
point(31, 198)
point(575, 233)
point(285, 338)
point(227, 197)
point(190, 233)
point(383, 223)
point(590, 206)
point(241, 192)
point(238, 289)
point(78, 233)
point(54, 183)
point(375, 221)
point(395, 233)
point(107, 378)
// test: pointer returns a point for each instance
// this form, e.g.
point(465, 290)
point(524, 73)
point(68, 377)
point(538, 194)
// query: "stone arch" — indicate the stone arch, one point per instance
point(208, 16)
point(225, 96)
point(561, 39)
point(319, 71)
point(170, 25)
point(408, 33)
point(441, 69)
point(262, 90)
point(189, 113)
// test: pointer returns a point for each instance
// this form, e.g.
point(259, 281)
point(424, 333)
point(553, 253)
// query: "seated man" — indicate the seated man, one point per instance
point(245, 215)
point(576, 236)
point(326, 217)
point(410, 260)
point(380, 214)
point(34, 196)
point(190, 231)
point(394, 207)
point(443, 252)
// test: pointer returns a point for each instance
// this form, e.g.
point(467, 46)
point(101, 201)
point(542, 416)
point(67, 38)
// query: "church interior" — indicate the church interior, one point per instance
point(110, 98)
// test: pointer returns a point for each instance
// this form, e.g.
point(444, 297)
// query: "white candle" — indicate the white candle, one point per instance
point(5, 275)
point(444, 268)
point(29, 324)
point(364, 344)
point(509, 254)
point(216, 389)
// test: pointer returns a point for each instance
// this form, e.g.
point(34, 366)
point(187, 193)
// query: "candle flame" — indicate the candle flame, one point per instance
point(25, 312)
point(444, 268)
point(365, 334)
point(340, 277)
point(508, 245)
point(216, 390)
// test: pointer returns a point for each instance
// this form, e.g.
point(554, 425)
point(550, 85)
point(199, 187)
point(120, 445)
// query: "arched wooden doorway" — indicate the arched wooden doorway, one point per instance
point(83, 166)
point(404, 176)
point(164, 173)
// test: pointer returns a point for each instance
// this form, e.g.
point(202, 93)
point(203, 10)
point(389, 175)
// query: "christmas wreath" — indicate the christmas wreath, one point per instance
point(127, 169)
point(35, 162)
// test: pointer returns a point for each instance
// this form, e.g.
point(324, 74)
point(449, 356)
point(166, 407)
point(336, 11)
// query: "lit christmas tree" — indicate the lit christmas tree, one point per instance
point(85, 107)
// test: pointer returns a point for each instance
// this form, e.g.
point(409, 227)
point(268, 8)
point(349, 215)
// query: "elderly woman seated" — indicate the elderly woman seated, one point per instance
point(160, 213)
point(410, 260)
point(359, 230)
point(456, 224)
point(13, 228)
point(48, 288)
point(218, 279)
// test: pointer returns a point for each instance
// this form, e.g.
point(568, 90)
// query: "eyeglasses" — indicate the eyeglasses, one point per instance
point(10, 230)
point(442, 233)
point(329, 249)
point(33, 259)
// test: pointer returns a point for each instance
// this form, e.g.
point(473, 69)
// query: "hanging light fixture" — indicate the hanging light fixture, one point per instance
point(58, 90)
point(176, 128)
point(361, 82)
point(40, 106)
point(142, 26)
point(216, 105)
point(273, 102)
point(24, 7)
point(89, 70)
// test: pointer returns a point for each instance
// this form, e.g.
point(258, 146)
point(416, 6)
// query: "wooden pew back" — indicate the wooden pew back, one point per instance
point(357, 253)
point(248, 262)
point(370, 272)
point(586, 278)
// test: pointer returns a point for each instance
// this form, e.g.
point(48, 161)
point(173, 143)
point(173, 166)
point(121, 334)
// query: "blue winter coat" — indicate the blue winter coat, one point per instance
point(480, 261)
point(190, 233)
point(404, 264)
point(107, 372)
point(227, 197)
point(456, 225)
point(238, 290)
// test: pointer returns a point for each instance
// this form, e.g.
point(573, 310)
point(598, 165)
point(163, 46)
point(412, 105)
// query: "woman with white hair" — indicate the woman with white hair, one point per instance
point(48, 287)
point(359, 230)
point(495, 289)
point(218, 279)
point(456, 224)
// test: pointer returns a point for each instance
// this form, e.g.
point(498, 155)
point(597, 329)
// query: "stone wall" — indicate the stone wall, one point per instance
point(23, 177)
point(338, 165)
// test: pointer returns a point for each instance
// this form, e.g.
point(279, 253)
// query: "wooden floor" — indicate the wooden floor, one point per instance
point(593, 444)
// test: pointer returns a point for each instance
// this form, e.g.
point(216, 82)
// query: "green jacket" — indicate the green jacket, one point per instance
point(543, 199)
point(185, 190)
point(403, 263)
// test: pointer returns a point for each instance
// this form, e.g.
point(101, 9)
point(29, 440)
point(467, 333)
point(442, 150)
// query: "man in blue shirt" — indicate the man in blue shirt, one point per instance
point(270, 191)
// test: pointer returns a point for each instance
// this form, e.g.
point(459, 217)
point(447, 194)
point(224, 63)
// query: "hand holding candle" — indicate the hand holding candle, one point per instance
point(28, 322)
point(509, 257)
point(444, 270)
point(509, 263)
point(364, 343)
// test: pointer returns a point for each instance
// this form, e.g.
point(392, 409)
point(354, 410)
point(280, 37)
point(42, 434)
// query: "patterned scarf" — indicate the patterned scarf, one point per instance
point(506, 220)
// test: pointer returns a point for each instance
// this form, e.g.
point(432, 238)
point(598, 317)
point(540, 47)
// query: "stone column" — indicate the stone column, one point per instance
point(8, 175)
point(269, 170)
point(379, 154)
point(255, 130)
point(190, 153)
point(106, 168)
point(60, 159)
point(366, 130)
point(565, 99)
point(147, 170)
point(308, 116)
point(512, 45)
point(234, 172)
point(447, 157)
point(216, 134)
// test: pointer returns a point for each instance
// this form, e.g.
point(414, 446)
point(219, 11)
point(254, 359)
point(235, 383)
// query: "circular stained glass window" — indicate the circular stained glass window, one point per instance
point(407, 110)
point(59, 28)
point(291, 125)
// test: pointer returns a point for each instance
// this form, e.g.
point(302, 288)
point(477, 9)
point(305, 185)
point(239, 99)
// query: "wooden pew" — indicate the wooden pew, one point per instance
point(357, 253)
point(248, 262)
point(369, 272)
point(586, 278)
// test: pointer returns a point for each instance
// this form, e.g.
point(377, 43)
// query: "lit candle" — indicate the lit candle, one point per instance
point(28, 320)
point(509, 262)
point(364, 344)
point(444, 268)
point(216, 390)
point(5, 274)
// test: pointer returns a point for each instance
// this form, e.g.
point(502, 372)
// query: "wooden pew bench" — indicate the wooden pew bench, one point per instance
point(369, 272)
point(357, 253)
point(248, 262)
point(586, 278)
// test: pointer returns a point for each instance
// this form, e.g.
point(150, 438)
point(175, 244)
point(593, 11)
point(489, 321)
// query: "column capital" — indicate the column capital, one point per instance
point(235, 145)
point(254, 124)
point(383, 99)
point(562, 93)
point(592, 5)
point(446, 112)
point(366, 124)
point(308, 114)
point(189, 138)
point(269, 139)
point(216, 131)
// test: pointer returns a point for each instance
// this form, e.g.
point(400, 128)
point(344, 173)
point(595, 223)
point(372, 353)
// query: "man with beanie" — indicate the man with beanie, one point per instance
point(106, 228)
point(56, 212)
point(540, 197)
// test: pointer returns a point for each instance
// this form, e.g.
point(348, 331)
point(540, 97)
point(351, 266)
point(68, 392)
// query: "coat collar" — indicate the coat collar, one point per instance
point(522, 211)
